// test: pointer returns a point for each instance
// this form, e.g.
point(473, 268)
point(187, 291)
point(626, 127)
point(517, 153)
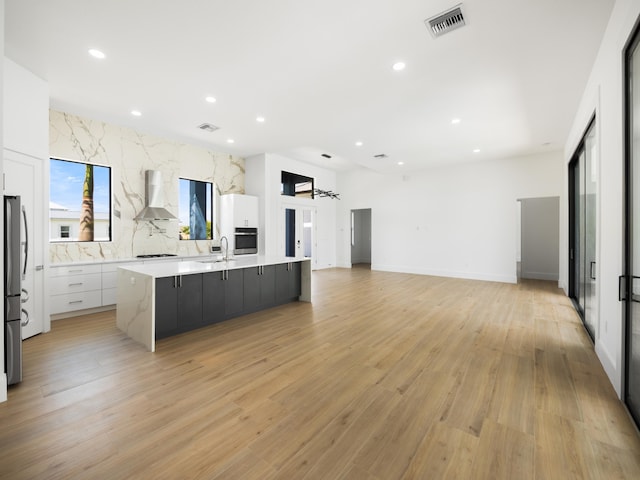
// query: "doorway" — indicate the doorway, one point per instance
point(361, 237)
point(539, 248)
point(299, 232)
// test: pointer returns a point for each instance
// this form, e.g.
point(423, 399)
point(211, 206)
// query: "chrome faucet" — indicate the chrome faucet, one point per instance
point(225, 257)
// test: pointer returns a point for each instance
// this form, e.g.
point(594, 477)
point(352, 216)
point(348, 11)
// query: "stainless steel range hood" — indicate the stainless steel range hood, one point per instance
point(154, 197)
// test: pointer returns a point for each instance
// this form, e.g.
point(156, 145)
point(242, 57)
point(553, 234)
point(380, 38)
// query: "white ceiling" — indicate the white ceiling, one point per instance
point(320, 73)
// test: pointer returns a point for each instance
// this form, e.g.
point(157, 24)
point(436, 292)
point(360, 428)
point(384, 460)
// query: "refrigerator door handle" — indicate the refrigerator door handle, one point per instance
point(26, 322)
point(8, 247)
point(26, 242)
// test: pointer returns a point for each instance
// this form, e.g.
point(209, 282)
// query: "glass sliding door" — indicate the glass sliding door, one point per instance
point(582, 254)
point(589, 265)
point(632, 210)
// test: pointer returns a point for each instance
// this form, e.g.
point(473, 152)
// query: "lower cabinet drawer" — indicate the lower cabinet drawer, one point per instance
point(76, 283)
point(69, 302)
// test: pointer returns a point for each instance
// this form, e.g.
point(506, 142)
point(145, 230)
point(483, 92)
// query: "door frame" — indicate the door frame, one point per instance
point(625, 280)
point(352, 232)
point(281, 241)
point(39, 236)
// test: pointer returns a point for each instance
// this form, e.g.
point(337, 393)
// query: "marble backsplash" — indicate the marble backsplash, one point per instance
point(129, 154)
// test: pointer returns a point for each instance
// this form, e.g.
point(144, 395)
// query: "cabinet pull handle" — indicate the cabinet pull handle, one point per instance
point(73, 271)
point(75, 284)
point(75, 301)
point(180, 281)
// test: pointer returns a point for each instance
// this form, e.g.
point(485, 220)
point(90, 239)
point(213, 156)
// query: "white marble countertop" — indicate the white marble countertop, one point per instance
point(186, 267)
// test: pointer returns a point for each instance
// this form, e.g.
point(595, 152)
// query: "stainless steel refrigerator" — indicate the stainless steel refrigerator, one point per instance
point(12, 290)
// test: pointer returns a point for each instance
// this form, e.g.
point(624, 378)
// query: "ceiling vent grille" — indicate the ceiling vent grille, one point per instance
point(445, 22)
point(207, 127)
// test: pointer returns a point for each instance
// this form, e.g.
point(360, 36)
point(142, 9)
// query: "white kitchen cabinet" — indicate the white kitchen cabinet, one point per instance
point(83, 286)
point(238, 211)
point(25, 173)
point(75, 288)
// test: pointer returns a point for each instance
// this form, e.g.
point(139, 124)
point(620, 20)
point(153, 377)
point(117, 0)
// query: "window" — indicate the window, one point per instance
point(79, 202)
point(196, 207)
point(295, 185)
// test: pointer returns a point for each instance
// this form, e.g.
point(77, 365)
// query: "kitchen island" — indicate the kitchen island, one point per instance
point(168, 298)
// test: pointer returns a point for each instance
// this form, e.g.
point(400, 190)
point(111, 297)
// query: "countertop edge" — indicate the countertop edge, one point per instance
point(188, 267)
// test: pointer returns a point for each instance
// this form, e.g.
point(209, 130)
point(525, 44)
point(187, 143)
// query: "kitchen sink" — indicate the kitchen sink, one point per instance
point(221, 260)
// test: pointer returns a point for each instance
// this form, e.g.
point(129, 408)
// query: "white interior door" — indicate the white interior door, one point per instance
point(23, 176)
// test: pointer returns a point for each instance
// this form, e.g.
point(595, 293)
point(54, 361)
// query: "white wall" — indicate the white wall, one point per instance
point(456, 221)
point(263, 179)
point(604, 95)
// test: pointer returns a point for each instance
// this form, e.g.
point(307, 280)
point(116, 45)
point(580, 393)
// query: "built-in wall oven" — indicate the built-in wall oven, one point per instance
point(246, 240)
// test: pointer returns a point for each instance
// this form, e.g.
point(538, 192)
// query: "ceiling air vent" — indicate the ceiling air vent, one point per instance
point(207, 127)
point(381, 155)
point(446, 21)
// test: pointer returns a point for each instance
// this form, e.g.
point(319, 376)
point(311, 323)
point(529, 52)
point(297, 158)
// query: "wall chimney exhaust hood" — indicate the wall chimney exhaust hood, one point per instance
point(154, 197)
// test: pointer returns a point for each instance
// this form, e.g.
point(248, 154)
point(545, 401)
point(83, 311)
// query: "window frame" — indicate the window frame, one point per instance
point(109, 203)
point(214, 193)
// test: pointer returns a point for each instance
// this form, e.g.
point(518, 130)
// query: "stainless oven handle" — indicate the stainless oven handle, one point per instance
point(247, 234)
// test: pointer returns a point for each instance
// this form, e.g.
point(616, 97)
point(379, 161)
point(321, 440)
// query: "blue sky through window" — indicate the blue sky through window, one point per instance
point(66, 184)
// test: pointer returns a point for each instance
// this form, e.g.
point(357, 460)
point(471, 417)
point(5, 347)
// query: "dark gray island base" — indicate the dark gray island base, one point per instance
point(158, 301)
point(188, 302)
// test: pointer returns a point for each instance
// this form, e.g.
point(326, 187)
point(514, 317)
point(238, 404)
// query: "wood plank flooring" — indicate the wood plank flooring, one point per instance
point(384, 376)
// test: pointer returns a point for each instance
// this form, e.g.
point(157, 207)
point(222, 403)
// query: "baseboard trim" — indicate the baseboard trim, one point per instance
point(487, 277)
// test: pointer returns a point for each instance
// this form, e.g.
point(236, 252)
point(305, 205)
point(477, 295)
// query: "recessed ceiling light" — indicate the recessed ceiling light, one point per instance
point(358, 144)
point(136, 113)
point(400, 163)
point(96, 53)
point(476, 150)
point(399, 66)
point(260, 119)
point(455, 121)
point(230, 140)
point(210, 99)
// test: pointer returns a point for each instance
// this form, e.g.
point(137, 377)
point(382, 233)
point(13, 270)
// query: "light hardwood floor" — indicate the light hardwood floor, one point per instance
point(384, 376)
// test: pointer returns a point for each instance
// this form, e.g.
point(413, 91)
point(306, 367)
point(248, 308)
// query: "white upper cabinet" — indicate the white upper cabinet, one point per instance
point(25, 111)
point(238, 211)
